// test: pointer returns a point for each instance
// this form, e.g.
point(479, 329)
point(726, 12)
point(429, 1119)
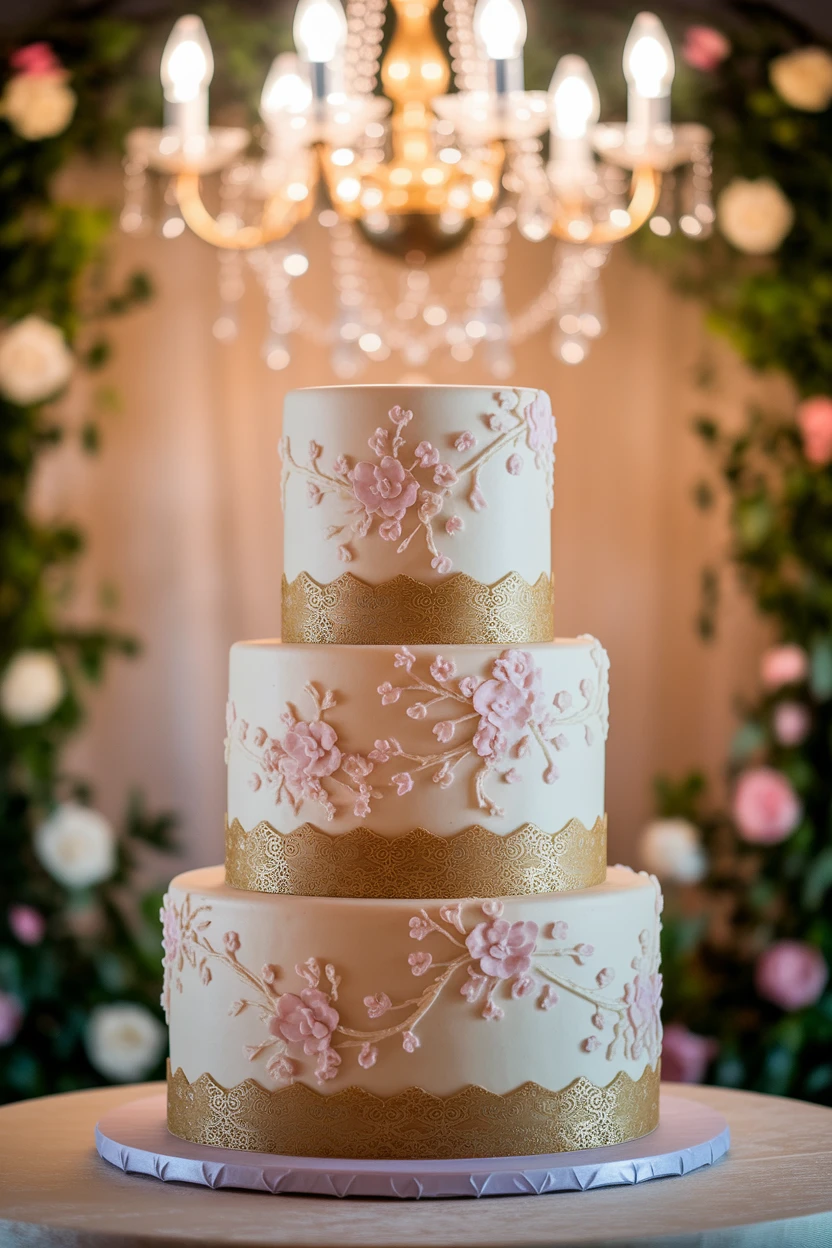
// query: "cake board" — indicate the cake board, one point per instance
point(134, 1138)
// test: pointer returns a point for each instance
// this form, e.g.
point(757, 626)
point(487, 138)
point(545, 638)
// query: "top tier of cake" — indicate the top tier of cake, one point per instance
point(417, 502)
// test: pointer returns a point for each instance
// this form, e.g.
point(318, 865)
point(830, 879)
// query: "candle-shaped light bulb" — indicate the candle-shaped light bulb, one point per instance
point(500, 29)
point(574, 98)
point(649, 68)
point(286, 89)
point(187, 69)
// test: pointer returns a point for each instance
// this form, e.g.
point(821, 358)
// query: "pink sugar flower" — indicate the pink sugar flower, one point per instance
point(390, 530)
point(378, 1004)
point(327, 1065)
point(379, 442)
point(389, 693)
point(427, 455)
point(514, 465)
point(231, 941)
point(444, 731)
point(442, 564)
point(453, 525)
point(468, 686)
point(387, 487)
point(419, 962)
point(784, 665)
point(403, 782)
point(541, 431)
point(766, 808)
point(368, 1056)
point(477, 499)
point(442, 669)
point(445, 475)
point(410, 1042)
point(791, 974)
point(503, 949)
point(310, 750)
point(814, 419)
point(431, 505)
point(705, 48)
point(308, 1019)
point(502, 706)
point(465, 441)
point(685, 1055)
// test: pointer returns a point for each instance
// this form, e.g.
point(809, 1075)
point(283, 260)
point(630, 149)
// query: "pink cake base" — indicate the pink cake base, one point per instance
point(135, 1138)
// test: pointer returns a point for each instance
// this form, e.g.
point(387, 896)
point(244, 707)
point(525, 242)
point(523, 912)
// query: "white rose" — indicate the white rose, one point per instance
point(38, 106)
point(672, 850)
point(803, 79)
point(31, 687)
point(124, 1041)
point(77, 846)
point(34, 361)
point(754, 216)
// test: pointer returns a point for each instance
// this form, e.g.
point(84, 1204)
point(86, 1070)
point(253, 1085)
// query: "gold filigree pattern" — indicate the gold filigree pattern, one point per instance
point(361, 863)
point(403, 611)
point(413, 1124)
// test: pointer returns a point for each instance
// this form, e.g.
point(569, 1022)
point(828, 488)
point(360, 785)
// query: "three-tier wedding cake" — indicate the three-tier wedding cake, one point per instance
point(416, 949)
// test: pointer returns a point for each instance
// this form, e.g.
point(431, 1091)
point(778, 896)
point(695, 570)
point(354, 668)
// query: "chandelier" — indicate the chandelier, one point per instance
point(434, 180)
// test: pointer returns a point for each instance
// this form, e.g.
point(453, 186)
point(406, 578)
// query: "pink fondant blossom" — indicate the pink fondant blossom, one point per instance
point(492, 1011)
point(548, 998)
point(442, 669)
point(489, 742)
point(404, 658)
point(643, 999)
point(523, 986)
point(465, 441)
point(327, 1065)
point(356, 766)
point(784, 665)
point(378, 1004)
point(281, 1068)
point(512, 776)
point(814, 419)
point(765, 807)
point(791, 974)
point(468, 686)
point(503, 707)
point(791, 723)
point(503, 949)
point(308, 1019)
point(379, 442)
point(400, 415)
point(590, 1044)
point(427, 455)
point(368, 1056)
point(605, 976)
point(341, 466)
point(444, 731)
point(417, 711)
point(389, 693)
point(442, 564)
point(387, 487)
point(27, 925)
point(403, 782)
point(310, 751)
point(361, 806)
point(313, 494)
point(541, 430)
point(431, 505)
point(390, 530)
point(477, 499)
point(551, 774)
point(419, 962)
point(492, 908)
point(473, 987)
point(453, 525)
point(705, 48)
point(410, 1042)
point(514, 465)
point(559, 930)
point(685, 1055)
point(419, 928)
point(231, 941)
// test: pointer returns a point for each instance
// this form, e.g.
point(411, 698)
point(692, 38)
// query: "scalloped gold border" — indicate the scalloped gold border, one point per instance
point(475, 862)
point(413, 1124)
point(404, 611)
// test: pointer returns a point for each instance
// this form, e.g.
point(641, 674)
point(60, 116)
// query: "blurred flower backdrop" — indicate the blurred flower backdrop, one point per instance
point(749, 937)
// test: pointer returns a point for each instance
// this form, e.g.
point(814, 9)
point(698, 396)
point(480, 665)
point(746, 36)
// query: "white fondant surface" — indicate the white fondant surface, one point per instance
point(509, 533)
point(603, 954)
point(135, 1138)
point(267, 677)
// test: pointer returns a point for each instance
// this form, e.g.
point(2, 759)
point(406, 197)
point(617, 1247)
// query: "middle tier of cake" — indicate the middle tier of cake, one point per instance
point(405, 772)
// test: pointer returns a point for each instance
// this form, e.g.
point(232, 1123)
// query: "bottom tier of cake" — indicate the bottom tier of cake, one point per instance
point(314, 1026)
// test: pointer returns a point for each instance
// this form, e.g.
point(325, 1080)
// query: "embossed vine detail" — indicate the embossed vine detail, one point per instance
point(493, 720)
point(493, 962)
point(405, 491)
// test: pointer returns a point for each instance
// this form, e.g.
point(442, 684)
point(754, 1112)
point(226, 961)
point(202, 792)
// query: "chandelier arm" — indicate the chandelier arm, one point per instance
point(279, 217)
point(644, 199)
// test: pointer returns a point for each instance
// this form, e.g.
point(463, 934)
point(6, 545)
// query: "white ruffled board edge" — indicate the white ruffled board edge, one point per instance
point(135, 1138)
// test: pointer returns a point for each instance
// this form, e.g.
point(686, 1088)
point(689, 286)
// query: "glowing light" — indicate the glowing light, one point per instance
point(348, 190)
point(482, 189)
point(297, 192)
point(187, 61)
point(319, 30)
point(574, 97)
point(435, 314)
point(500, 26)
point(295, 264)
point(476, 329)
point(286, 88)
point(450, 155)
point(173, 227)
point(648, 58)
point(278, 358)
point(369, 342)
point(661, 226)
point(620, 218)
point(432, 176)
point(342, 156)
point(572, 352)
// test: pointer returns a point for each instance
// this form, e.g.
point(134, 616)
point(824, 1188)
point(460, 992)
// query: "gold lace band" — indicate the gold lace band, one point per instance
point(297, 1121)
point(457, 611)
point(362, 863)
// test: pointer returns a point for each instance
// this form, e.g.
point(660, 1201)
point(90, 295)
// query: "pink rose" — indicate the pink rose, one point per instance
point(36, 60)
point(791, 723)
point(791, 974)
point(705, 49)
point(766, 808)
point(27, 924)
point(814, 418)
point(503, 949)
point(386, 487)
point(311, 750)
point(784, 665)
point(542, 433)
point(11, 1016)
point(308, 1019)
point(685, 1056)
point(518, 668)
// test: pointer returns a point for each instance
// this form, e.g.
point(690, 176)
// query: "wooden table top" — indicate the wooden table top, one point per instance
point(774, 1187)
